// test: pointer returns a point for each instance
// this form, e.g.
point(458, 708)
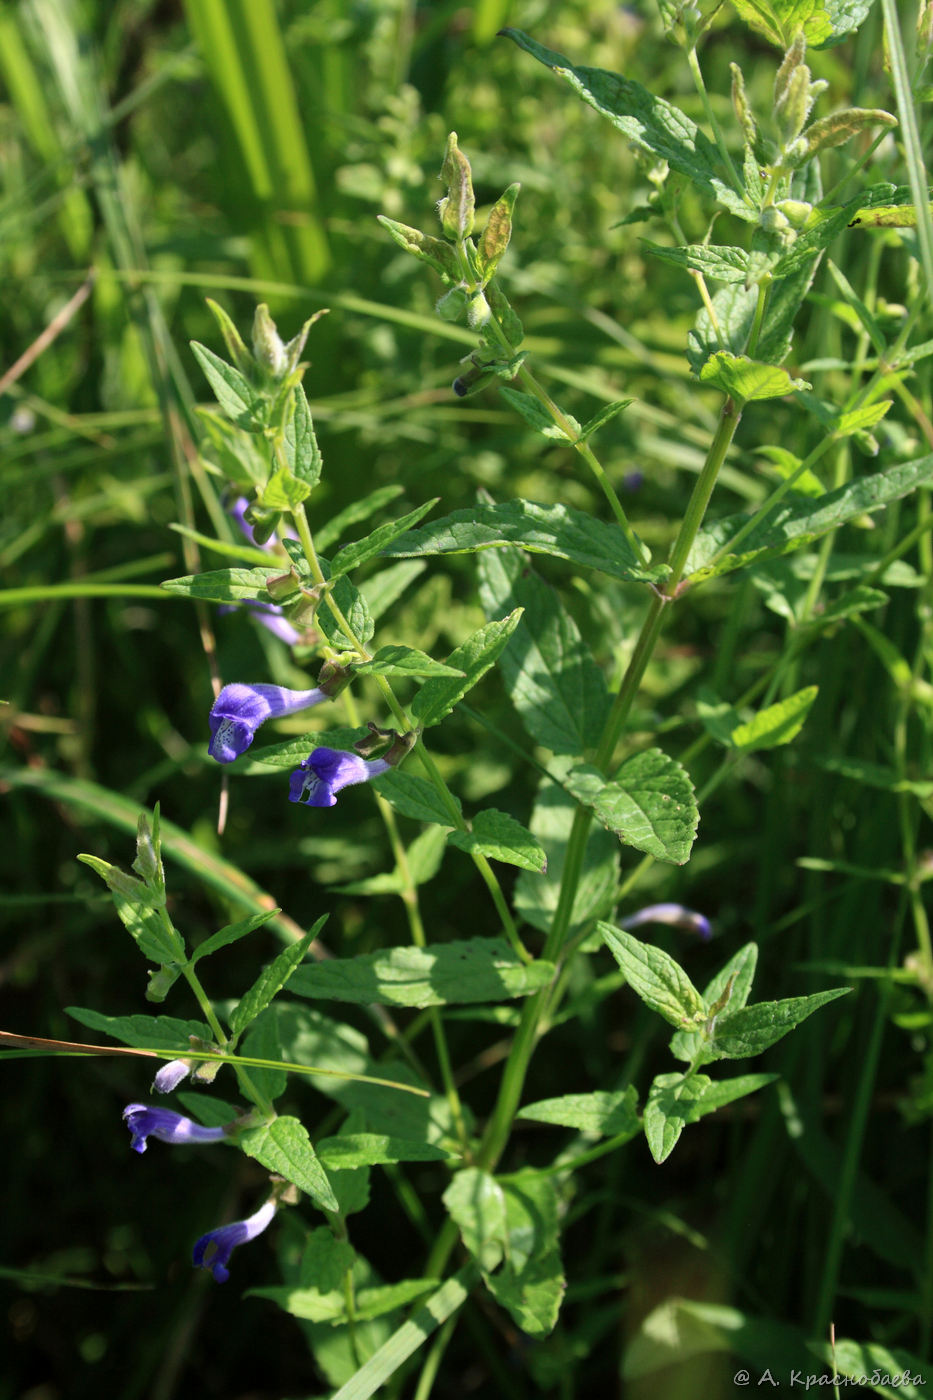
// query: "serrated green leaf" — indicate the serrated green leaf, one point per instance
point(648, 122)
point(780, 21)
point(477, 969)
point(414, 797)
point(748, 380)
point(673, 1102)
point(141, 912)
point(352, 604)
point(474, 657)
point(559, 530)
point(350, 1150)
point(475, 1201)
point(397, 660)
point(231, 933)
point(283, 490)
point(847, 1357)
point(530, 1283)
point(501, 837)
point(232, 391)
point(755, 1028)
point(536, 896)
point(272, 979)
point(653, 975)
point(649, 804)
point(776, 724)
point(557, 688)
point(608, 1113)
point(357, 553)
point(688, 1045)
point(301, 446)
point(795, 523)
point(143, 1032)
point(724, 263)
point(530, 408)
point(283, 1146)
point(225, 585)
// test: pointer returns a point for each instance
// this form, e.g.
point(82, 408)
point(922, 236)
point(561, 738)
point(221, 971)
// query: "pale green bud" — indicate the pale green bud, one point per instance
point(456, 208)
point(478, 312)
point(740, 103)
point(268, 348)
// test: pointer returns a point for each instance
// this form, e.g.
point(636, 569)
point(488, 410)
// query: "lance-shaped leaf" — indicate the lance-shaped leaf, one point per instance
point(559, 530)
point(650, 804)
point(796, 523)
point(272, 979)
point(352, 555)
point(473, 658)
point(232, 390)
point(348, 1151)
point(609, 1113)
point(434, 251)
point(661, 982)
point(648, 122)
point(396, 660)
point(141, 911)
point(495, 236)
point(478, 969)
point(149, 1032)
point(740, 971)
point(754, 1028)
point(225, 585)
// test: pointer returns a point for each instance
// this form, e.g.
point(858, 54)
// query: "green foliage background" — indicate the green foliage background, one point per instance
point(242, 151)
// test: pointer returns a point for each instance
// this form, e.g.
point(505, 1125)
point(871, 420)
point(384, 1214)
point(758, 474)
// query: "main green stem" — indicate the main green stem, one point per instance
point(516, 1068)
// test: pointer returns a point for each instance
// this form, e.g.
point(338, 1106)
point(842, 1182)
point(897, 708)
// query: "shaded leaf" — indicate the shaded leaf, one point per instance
point(283, 1146)
point(501, 837)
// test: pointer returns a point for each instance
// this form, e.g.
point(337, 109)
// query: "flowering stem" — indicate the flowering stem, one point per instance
point(431, 769)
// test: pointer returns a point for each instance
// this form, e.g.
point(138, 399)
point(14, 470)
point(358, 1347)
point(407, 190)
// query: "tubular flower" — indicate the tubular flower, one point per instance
point(317, 780)
point(213, 1250)
point(240, 709)
point(271, 616)
point(144, 1122)
point(675, 914)
point(170, 1076)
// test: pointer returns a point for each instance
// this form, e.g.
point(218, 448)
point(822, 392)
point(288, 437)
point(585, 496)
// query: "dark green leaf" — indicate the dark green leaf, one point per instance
point(648, 122)
point(351, 1150)
point(798, 521)
point(556, 686)
point(559, 530)
point(415, 798)
point(272, 979)
point(536, 896)
point(144, 1032)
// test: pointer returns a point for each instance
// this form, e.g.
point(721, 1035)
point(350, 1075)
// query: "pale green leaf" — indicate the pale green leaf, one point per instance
point(225, 585)
point(477, 969)
point(776, 724)
point(609, 1113)
point(501, 837)
point(649, 804)
point(753, 1029)
point(351, 556)
point(474, 657)
point(748, 380)
point(398, 660)
point(232, 391)
point(653, 974)
point(283, 1146)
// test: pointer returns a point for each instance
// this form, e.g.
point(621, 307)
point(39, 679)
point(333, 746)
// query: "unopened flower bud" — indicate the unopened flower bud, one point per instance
point(267, 344)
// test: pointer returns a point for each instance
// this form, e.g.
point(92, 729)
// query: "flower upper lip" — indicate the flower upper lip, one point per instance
point(240, 709)
point(319, 777)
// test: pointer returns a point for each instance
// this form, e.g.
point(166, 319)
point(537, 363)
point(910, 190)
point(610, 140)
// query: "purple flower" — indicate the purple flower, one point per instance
point(675, 914)
point(170, 1076)
point(144, 1122)
point(213, 1250)
point(239, 710)
point(317, 780)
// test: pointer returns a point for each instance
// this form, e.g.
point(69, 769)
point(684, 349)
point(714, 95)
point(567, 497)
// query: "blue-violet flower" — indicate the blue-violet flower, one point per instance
point(145, 1122)
point(317, 780)
point(213, 1250)
point(675, 914)
point(240, 709)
